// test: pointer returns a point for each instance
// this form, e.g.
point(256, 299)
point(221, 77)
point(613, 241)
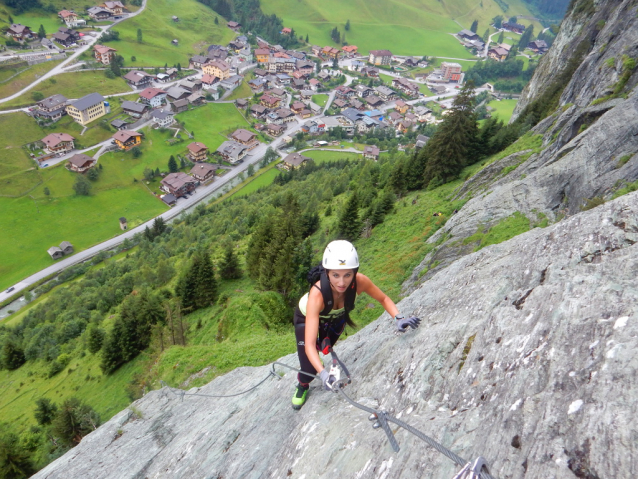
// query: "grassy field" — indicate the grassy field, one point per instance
point(25, 78)
point(71, 85)
point(406, 27)
point(35, 18)
point(242, 91)
point(262, 180)
point(320, 99)
point(503, 109)
point(195, 31)
point(213, 122)
point(322, 156)
point(32, 224)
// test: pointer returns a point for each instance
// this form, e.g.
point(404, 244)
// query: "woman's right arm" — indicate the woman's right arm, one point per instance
point(313, 308)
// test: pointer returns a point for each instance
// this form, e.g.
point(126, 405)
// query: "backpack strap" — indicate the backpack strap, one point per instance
point(326, 293)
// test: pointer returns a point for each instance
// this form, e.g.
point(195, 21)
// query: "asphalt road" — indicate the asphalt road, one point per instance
point(60, 68)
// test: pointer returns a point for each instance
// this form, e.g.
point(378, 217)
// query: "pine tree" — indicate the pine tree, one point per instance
point(41, 32)
point(172, 165)
point(216, 21)
point(45, 411)
point(73, 421)
point(474, 26)
point(413, 170)
point(158, 226)
point(139, 35)
point(95, 339)
point(455, 143)
point(229, 267)
point(205, 282)
point(526, 37)
point(501, 37)
point(307, 40)
point(486, 35)
point(349, 225)
point(15, 460)
point(157, 171)
point(12, 355)
point(347, 27)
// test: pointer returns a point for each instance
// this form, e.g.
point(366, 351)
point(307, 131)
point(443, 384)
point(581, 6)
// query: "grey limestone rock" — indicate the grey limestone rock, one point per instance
point(526, 356)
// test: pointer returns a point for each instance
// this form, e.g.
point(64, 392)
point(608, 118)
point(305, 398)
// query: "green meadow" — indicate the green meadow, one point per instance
point(406, 27)
point(321, 156)
point(24, 78)
point(503, 109)
point(194, 32)
point(33, 221)
point(71, 85)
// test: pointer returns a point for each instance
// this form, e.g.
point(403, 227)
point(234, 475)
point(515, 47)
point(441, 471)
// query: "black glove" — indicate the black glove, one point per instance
point(403, 324)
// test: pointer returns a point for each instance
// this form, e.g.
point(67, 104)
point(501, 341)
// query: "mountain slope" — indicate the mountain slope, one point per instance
point(583, 150)
point(552, 317)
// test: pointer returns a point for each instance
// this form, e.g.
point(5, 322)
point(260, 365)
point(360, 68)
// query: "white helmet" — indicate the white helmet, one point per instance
point(340, 255)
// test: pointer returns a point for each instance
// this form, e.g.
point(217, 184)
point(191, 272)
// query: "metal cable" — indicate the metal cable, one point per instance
point(381, 417)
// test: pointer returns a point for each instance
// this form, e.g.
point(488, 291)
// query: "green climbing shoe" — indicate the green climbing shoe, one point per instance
point(299, 398)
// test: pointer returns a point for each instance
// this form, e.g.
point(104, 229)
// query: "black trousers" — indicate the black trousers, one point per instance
point(331, 330)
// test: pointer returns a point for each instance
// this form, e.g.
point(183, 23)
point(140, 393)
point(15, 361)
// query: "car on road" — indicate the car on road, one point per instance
point(10, 289)
point(45, 165)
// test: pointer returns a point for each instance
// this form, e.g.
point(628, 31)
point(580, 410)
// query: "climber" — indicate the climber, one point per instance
point(323, 312)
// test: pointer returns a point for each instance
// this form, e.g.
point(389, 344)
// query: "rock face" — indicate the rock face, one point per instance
point(526, 356)
point(587, 149)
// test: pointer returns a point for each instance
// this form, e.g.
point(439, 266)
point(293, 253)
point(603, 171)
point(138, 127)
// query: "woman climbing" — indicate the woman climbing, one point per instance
point(323, 311)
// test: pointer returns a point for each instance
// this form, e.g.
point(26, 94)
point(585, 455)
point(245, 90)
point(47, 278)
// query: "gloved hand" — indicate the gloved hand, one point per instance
point(403, 324)
point(325, 377)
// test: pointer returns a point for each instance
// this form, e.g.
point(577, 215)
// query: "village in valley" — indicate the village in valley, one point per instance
point(279, 105)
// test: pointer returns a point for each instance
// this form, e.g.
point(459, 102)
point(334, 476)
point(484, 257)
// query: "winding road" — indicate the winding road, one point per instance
point(60, 68)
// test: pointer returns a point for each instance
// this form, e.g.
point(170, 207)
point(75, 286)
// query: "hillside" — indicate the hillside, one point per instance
point(406, 27)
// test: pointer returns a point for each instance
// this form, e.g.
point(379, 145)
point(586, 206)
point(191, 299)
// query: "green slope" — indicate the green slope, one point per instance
point(408, 27)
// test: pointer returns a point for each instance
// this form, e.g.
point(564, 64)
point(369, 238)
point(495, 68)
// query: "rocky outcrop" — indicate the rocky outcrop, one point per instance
point(526, 355)
point(581, 145)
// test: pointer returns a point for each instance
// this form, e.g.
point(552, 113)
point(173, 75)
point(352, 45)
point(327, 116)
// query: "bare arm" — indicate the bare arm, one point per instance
point(313, 308)
point(365, 285)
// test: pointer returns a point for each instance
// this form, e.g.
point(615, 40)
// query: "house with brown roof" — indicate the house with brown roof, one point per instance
point(52, 108)
point(98, 13)
point(104, 54)
point(374, 101)
point(232, 151)
point(371, 152)
point(127, 139)
point(66, 37)
point(197, 152)
point(208, 81)
point(245, 137)
point(269, 101)
point(274, 129)
point(217, 68)
point(380, 57)
point(258, 111)
point(401, 106)
point(407, 87)
point(153, 97)
point(19, 32)
point(350, 49)
point(297, 106)
point(180, 105)
point(203, 171)
point(178, 184)
point(234, 26)
point(67, 16)
point(330, 52)
point(499, 54)
point(80, 163)
point(116, 8)
point(138, 79)
point(58, 143)
point(294, 161)
point(134, 109)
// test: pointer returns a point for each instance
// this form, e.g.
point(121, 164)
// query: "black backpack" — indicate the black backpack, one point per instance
point(318, 273)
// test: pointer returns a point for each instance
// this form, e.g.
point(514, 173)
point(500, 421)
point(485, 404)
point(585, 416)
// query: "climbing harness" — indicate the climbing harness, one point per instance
point(470, 470)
